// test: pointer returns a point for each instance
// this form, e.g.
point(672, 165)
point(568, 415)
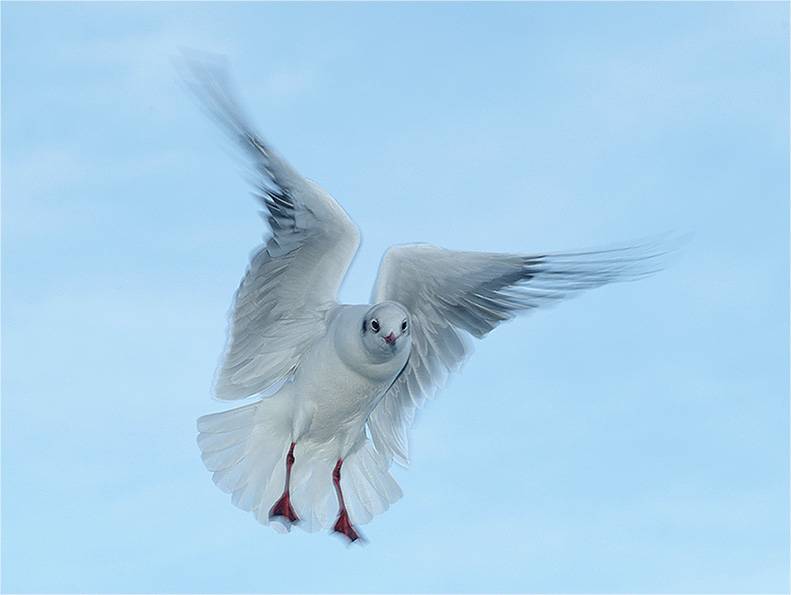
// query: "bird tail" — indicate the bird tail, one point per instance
point(246, 448)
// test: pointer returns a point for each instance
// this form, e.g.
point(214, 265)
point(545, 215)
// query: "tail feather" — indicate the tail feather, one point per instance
point(313, 494)
point(245, 449)
point(217, 460)
point(213, 442)
point(227, 420)
point(268, 471)
point(242, 447)
point(367, 485)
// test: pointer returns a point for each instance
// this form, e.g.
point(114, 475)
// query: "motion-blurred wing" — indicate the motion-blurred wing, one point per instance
point(449, 294)
point(281, 305)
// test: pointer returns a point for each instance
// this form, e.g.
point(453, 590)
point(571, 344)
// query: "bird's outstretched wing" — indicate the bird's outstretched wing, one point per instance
point(451, 294)
point(293, 279)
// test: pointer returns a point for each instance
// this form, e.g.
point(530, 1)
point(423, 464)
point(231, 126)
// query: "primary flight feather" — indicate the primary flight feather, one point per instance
point(303, 455)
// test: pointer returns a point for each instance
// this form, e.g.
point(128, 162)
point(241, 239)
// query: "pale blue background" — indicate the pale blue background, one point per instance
point(635, 439)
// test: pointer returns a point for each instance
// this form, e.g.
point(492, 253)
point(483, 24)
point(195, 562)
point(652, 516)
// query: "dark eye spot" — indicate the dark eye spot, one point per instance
point(403, 326)
point(375, 325)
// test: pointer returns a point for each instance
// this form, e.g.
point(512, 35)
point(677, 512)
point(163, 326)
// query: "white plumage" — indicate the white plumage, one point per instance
point(303, 454)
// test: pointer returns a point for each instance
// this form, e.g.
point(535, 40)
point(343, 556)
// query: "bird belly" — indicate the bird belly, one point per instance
point(334, 401)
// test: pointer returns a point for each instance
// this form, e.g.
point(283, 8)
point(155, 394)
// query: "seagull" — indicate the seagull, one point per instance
point(336, 386)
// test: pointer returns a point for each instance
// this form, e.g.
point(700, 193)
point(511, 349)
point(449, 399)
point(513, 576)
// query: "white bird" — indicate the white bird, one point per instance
point(349, 378)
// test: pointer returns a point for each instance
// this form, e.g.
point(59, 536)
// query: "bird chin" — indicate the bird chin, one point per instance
point(390, 349)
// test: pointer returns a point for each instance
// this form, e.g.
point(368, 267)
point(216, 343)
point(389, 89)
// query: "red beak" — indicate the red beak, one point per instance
point(391, 338)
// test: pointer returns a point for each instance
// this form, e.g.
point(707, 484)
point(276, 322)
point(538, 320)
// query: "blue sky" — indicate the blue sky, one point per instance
point(634, 439)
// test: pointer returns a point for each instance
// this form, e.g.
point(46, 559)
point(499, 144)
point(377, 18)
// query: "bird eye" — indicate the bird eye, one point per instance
point(375, 325)
point(403, 326)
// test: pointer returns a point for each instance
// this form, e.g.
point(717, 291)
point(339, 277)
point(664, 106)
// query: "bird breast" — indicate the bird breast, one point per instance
point(338, 384)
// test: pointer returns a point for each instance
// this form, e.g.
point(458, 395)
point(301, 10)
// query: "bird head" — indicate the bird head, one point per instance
point(386, 329)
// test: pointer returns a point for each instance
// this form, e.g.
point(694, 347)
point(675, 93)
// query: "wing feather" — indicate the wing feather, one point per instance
point(292, 281)
point(451, 295)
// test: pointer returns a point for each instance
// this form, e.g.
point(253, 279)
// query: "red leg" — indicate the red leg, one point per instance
point(283, 506)
point(343, 524)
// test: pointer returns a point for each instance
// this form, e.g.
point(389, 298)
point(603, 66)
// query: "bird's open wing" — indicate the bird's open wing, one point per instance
point(450, 294)
point(281, 305)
